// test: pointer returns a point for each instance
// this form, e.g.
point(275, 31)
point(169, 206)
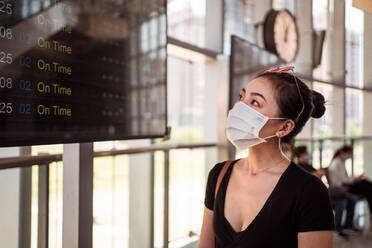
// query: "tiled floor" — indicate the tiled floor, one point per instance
point(356, 241)
point(363, 240)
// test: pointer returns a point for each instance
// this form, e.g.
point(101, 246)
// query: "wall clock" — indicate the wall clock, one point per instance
point(281, 34)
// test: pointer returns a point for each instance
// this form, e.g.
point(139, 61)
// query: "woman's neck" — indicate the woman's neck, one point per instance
point(265, 155)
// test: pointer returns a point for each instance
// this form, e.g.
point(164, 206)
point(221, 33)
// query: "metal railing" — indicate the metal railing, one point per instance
point(45, 160)
point(25, 161)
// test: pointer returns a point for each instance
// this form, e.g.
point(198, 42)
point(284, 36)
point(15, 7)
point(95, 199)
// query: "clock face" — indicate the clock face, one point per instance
point(285, 36)
point(281, 35)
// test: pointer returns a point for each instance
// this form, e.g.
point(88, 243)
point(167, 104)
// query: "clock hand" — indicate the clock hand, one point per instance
point(286, 34)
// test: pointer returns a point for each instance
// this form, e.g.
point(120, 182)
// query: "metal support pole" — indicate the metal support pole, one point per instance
point(25, 195)
point(43, 207)
point(321, 154)
point(152, 196)
point(25, 208)
point(352, 157)
point(166, 199)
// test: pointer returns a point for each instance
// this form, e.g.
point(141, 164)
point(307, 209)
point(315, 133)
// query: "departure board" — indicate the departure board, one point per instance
point(82, 71)
point(247, 60)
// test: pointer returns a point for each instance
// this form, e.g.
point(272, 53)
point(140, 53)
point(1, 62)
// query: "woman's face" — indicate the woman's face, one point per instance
point(259, 94)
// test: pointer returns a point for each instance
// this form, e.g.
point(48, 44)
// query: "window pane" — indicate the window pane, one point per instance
point(358, 157)
point(111, 202)
point(323, 126)
point(285, 4)
point(188, 174)
point(186, 20)
point(185, 100)
point(239, 20)
point(354, 33)
point(321, 21)
point(354, 112)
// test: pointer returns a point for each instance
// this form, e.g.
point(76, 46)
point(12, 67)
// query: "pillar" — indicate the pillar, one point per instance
point(15, 195)
point(77, 195)
point(367, 96)
point(140, 191)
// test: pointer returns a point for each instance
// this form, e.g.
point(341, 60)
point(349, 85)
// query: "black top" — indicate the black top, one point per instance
point(307, 167)
point(298, 203)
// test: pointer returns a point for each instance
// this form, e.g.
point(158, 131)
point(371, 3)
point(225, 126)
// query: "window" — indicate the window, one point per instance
point(323, 126)
point(186, 21)
point(239, 20)
point(354, 112)
point(354, 34)
point(185, 100)
point(321, 21)
point(285, 4)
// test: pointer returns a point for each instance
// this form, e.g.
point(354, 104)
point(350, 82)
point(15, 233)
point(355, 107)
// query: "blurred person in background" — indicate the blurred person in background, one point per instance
point(339, 177)
point(303, 159)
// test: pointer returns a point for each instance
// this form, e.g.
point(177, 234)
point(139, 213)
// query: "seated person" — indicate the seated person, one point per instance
point(341, 199)
point(302, 156)
point(349, 186)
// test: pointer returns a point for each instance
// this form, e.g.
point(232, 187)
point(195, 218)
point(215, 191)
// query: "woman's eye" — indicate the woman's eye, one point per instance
point(240, 97)
point(255, 103)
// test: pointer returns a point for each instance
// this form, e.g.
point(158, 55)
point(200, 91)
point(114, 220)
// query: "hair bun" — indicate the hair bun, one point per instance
point(318, 102)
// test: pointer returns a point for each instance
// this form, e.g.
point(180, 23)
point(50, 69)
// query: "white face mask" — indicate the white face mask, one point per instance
point(243, 126)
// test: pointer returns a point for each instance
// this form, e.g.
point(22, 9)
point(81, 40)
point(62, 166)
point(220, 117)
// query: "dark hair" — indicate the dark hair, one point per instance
point(289, 101)
point(343, 149)
point(299, 150)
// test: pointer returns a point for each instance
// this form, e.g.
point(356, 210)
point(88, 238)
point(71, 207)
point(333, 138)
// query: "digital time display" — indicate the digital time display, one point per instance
point(81, 71)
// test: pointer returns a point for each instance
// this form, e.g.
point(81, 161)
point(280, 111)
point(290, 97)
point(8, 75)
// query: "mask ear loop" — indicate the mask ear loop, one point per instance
point(299, 93)
point(281, 151)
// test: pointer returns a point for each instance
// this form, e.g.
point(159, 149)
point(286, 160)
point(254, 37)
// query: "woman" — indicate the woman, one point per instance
point(264, 200)
point(303, 161)
point(339, 177)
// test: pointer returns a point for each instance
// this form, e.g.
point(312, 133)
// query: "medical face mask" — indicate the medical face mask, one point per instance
point(243, 126)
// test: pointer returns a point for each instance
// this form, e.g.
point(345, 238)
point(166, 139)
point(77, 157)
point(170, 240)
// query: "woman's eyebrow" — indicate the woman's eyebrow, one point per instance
point(258, 94)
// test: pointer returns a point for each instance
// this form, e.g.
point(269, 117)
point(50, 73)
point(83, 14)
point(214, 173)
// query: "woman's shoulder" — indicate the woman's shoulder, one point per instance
point(303, 179)
point(216, 169)
point(312, 203)
point(211, 184)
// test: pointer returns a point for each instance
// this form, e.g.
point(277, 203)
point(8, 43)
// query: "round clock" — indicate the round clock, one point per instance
point(281, 35)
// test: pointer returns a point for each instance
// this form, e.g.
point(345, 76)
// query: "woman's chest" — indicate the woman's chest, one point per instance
point(274, 222)
point(245, 199)
point(266, 205)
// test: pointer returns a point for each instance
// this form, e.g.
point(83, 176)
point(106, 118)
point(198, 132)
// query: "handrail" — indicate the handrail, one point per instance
point(29, 160)
point(336, 138)
point(25, 161)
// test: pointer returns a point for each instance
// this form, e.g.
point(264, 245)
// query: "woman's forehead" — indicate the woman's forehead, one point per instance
point(260, 85)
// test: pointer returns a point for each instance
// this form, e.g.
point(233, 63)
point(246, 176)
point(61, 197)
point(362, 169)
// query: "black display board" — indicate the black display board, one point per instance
point(247, 60)
point(81, 71)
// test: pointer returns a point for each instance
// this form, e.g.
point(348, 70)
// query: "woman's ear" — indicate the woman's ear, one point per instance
point(286, 128)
